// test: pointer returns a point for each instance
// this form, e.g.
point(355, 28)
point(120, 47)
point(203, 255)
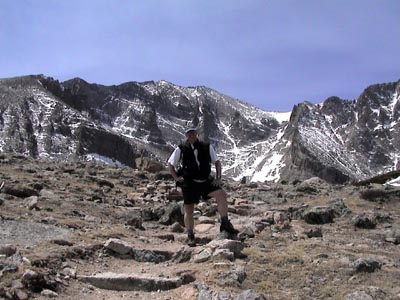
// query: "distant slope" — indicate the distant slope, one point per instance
point(338, 140)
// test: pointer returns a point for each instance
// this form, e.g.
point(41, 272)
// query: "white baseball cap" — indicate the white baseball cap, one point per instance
point(187, 130)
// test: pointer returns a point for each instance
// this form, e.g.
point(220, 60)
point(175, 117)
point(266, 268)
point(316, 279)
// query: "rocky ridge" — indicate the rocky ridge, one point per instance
point(89, 230)
point(337, 140)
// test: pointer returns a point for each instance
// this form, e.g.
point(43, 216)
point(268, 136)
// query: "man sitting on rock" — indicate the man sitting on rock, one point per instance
point(194, 179)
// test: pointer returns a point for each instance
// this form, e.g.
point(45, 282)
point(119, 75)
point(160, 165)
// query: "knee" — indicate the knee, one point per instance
point(222, 196)
point(189, 209)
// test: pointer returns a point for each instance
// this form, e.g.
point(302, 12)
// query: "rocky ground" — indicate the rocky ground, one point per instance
point(90, 231)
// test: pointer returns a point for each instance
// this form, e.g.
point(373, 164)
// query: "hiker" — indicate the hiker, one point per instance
point(194, 179)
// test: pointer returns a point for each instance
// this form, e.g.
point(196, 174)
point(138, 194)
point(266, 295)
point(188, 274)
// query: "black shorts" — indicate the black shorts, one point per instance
point(192, 191)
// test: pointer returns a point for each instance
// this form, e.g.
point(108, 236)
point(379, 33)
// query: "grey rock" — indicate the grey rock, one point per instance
point(20, 191)
point(48, 293)
point(135, 220)
point(364, 221)
point(393, 236)
point(35, 281)
point(319, 215)
point(203, 256)
point(154, 256)
point(358, 295)
point(233, 277)
point(368, 265)
point(173, 213)
point(339, 207)
point(250, 295)
point(8, 250)
point(32, 202)
point(132, 282)
point(118, 246)
point(223, 254)
point(314, 232)
point(233, 246)
point(177, 227)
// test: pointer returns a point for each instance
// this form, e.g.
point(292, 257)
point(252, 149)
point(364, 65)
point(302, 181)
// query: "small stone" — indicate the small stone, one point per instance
point(8, 250)
point(49, 294)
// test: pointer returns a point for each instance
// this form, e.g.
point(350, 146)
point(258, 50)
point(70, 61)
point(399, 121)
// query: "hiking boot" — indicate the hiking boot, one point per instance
point(228, 227)
point(191, 241)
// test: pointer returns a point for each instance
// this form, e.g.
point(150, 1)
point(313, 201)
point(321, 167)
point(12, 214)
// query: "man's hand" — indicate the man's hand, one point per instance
point(218, 181)
point(179, 179)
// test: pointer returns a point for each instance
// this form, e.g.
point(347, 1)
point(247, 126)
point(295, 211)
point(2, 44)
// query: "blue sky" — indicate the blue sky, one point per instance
point(270, 53)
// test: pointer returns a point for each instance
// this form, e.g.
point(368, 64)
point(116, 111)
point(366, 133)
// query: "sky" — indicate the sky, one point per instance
point(272, 54)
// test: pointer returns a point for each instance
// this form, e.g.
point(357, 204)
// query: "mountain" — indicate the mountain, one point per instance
point(337, 140)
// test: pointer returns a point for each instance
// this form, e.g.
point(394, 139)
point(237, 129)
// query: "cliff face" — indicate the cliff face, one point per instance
point(338, 140)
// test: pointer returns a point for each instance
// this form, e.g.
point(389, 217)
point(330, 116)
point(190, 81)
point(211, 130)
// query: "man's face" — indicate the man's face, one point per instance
point(191, 136)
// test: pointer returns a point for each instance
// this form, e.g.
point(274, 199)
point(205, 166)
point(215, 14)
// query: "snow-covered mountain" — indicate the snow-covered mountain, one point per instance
point(337, 140)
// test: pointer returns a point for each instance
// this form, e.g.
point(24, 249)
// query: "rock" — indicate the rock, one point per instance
point(148, 255)
point(132, 282)
point(174, 195)
point(172, 214)
point(364, 221)
point(235, 275)
point(49, 293)
point(366, 265)
point(21, 295)
point(204, 293)
point(183, 255)
point(7, 267)
point(69, 272)
point(269, 217)
point(280, 218)
point(149, 165)
point(47, 194)
point(35, 281)
point(32, 202)
point(163, 175)
point(165, 236)
point(177, 227)
point(234, 246)
point(318, 215)
point(250, 295)
point(100, 181)
point(8, 250)
point(93, 219)
point(20, 191)
point(314, 181)
point(307, 189)
point(223, 254)
point(339, 207)
point(393, 236)
point(222, 295)
point(118, 246)
point(62, 242)
point(135, 220)
point(203, 256)
point(202, 228)
point(314, 232)
point(247, 232)
point(358, 295)
point(206, 220)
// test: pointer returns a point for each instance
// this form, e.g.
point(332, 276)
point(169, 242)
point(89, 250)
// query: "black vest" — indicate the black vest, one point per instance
point(190, 168)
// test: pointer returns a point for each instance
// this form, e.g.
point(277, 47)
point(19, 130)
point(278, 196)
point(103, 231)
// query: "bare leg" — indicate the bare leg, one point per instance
point(188, 216)
point(222, 203)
